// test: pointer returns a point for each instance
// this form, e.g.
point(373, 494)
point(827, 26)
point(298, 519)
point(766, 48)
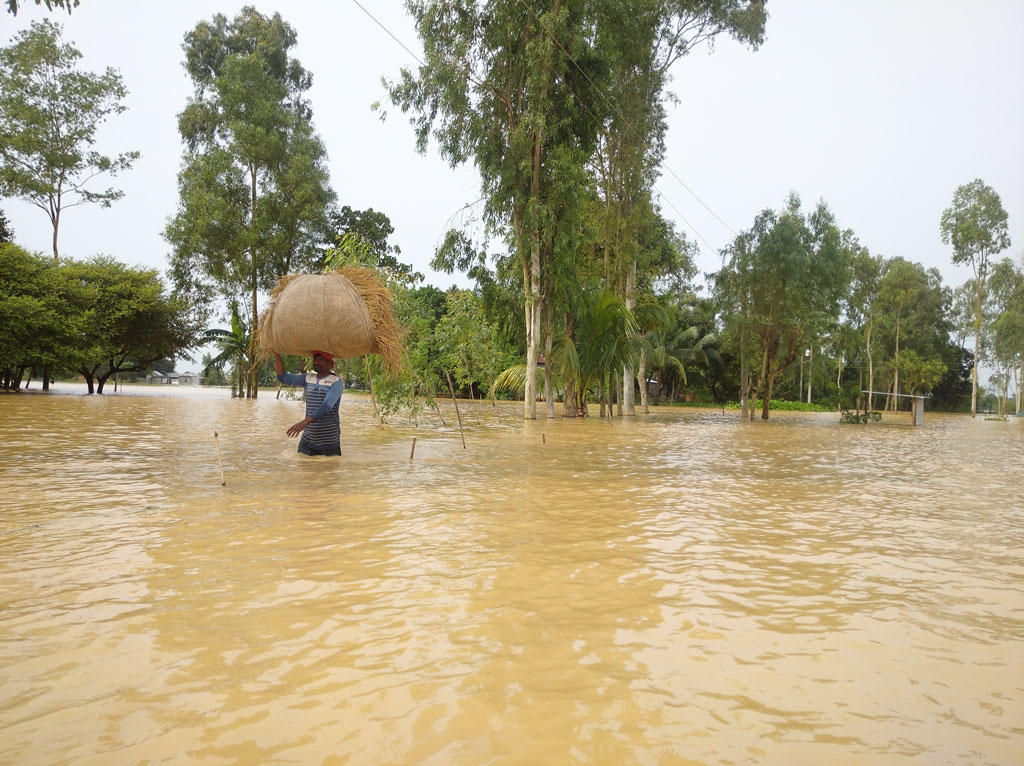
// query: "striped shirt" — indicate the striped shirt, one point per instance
point(322, 397)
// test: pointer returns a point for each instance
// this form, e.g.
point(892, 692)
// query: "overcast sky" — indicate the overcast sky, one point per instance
point(881, 108)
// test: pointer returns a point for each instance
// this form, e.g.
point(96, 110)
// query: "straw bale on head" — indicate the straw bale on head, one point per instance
point(346, 312)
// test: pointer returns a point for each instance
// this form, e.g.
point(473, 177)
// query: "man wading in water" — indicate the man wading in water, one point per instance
point(320, 428)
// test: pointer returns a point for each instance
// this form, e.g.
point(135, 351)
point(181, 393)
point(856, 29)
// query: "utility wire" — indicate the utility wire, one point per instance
point(631, 128)
point(379, 24)
point(583, 103)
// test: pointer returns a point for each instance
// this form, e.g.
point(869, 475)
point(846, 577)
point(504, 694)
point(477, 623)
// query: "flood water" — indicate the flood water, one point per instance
point(678, 588)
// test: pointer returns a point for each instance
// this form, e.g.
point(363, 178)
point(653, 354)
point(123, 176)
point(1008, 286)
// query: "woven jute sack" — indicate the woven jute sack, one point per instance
point(346, 312)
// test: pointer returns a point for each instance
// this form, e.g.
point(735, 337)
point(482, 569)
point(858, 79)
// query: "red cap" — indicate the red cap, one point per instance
point(325, 355)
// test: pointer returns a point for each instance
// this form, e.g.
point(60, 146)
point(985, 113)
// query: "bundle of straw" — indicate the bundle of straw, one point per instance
point(346, 312)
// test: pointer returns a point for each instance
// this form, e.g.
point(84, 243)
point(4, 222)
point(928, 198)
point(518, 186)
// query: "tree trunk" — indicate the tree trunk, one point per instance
point(531, 286)
point(768, 391)
point(871, 370)
point(896, 364)
point(252, 377)
point(628, 398)
point(1018, 379)
point(977, 335)
point(761, 379)
point(744, 373)
point(641, 378)
point(570, 406)
point(549, 322)
point(810, 373)
point(530, 393)
point(55, 220)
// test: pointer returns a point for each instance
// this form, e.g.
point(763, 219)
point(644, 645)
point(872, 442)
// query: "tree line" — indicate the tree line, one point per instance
point(584, 292)
point(96, 318)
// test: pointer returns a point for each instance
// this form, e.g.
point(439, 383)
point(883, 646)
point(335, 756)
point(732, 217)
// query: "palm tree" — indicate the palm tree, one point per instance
point(674, 348)
point(232, 344)
point(605, 336)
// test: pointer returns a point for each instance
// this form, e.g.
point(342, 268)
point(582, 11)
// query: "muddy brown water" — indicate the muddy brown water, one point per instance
point(679, 588)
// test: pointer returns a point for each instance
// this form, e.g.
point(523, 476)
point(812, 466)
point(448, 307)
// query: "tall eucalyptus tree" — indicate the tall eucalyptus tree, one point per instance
point(254, 189)
point(1005, 310)
point(975, 225)
point(497, 88)
point(913, 313)
point(862, 304)
point(639, 41)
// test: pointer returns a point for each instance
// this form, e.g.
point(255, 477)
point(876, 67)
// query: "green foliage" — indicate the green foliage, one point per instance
point(6, 232)
point(130, 321)
point(67, 5)
point(976, 226)
point(361, 238)
point(232, 346)
point(466, 342)
point(49, 114)
point(40, 323)
point(445, 333)
point(783, 405)
point(919, 374)
point(98, 317)
point(1005, 329)
point(604, 336)
point(677, 344)
point(784, 279)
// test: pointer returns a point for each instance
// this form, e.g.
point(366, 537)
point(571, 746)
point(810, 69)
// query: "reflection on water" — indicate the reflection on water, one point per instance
point(682, 588)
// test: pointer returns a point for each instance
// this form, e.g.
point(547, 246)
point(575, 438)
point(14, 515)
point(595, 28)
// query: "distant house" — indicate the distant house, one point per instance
point(174, 378)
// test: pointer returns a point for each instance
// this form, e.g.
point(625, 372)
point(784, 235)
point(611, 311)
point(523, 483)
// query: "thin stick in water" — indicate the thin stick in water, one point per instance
point(217, 442)
point(452, 389)
point(438, 411)
point(413, 451)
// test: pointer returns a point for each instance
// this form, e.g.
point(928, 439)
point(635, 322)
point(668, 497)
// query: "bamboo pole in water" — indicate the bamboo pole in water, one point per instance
point(217, 442)
point(373, 395)
point(413, 451)
point(452, 389)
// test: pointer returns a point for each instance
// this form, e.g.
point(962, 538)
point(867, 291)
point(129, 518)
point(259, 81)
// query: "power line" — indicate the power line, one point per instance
point(379, 24)
point(664, 196)
point(633, 130)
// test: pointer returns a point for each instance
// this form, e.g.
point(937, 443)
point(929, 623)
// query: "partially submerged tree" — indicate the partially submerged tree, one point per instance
point(49, 114)
point(130, 320)
point(787, 275)
point(1005, 315)
point(38, 324)
point(97, 317)
point(976, 226)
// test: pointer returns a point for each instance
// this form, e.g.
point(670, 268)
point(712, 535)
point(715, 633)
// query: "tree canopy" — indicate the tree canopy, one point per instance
point(49, 114)
point(96, 317)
